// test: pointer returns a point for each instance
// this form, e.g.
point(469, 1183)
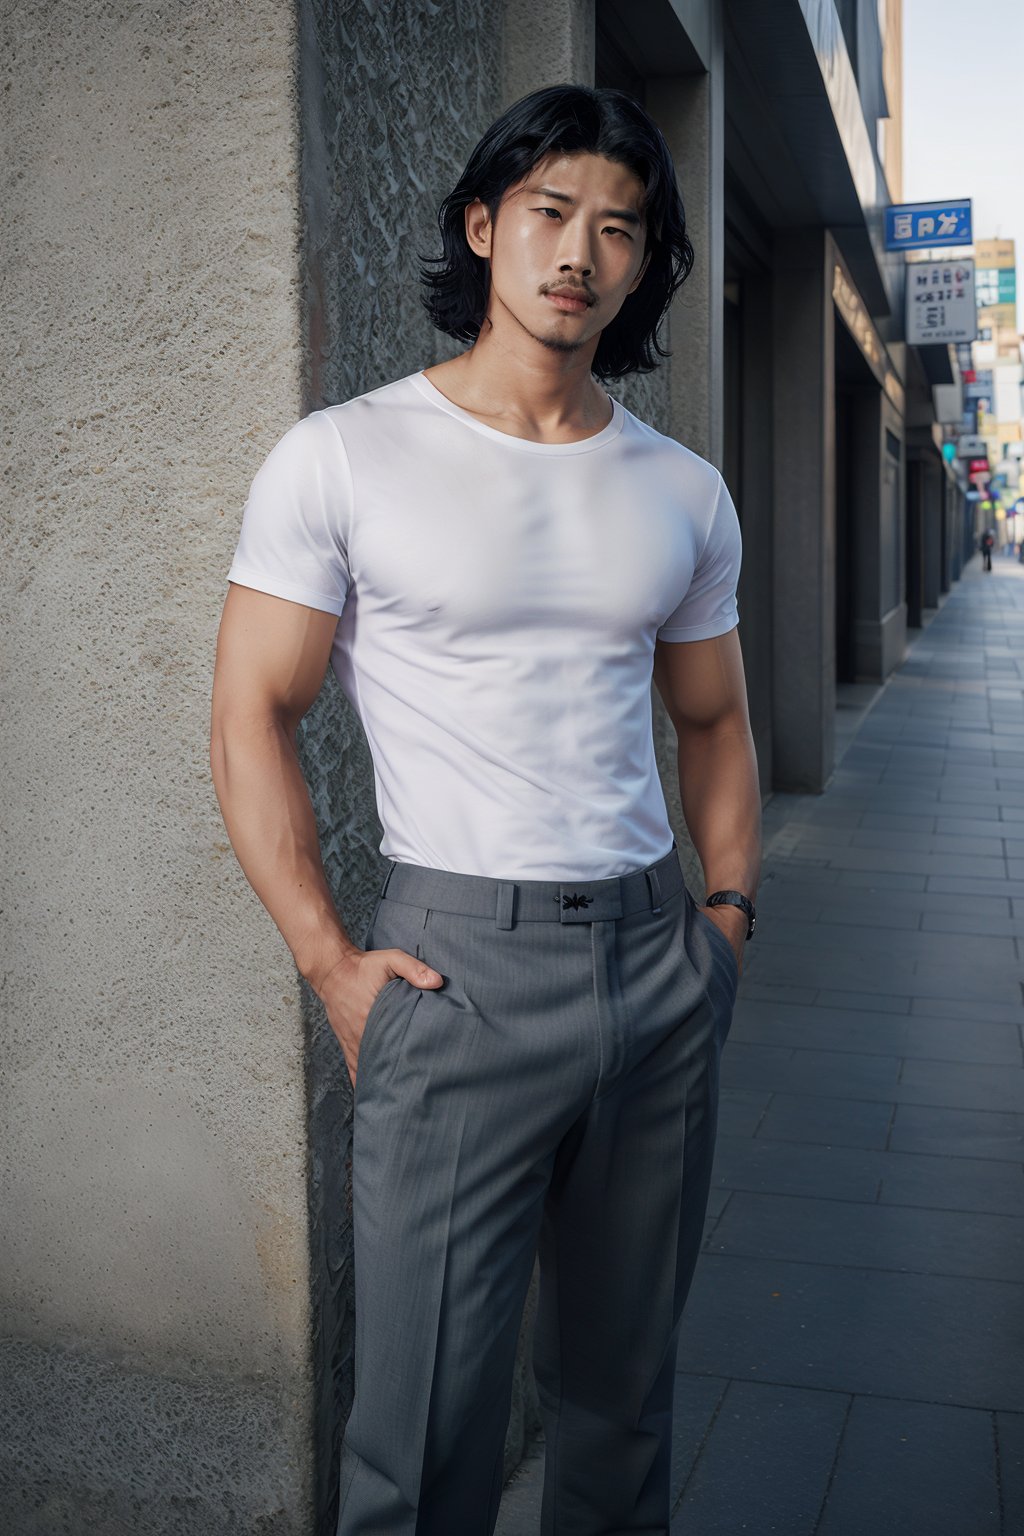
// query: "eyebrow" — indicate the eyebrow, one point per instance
point(625, 214)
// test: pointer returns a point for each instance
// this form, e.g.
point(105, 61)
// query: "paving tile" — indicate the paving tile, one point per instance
point(964, 826)
point(765, 1465)
point(957, 1132)
point(903, 861)
point(933, 1471)
point(832, 1074)
point(829, 1122)
point(718, 1199)
point(1010, 1446)
point(936, 1338)
point(893, 880)
point(802, 834)
point(879, 1002)
point(968, 1008)
point(967, 921)
point(827, 1027)
point(897, 974)
point(754, 990)
point(696, 1402)
point(740, 1110)
point(872, 1236)
point(929, 842)
point(870, 940)
point(806, 875)
point(993, 982)
point(897, 910)
point(962, 794)
point(760, 1165)
point(951, 1183)
point(960, 1085)
point(971, 886)
point(886, 821)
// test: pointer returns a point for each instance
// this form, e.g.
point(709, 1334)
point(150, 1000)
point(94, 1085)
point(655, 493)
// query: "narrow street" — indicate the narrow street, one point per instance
point(852, 1358)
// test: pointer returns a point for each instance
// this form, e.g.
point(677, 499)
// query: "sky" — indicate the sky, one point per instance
point(963, 113)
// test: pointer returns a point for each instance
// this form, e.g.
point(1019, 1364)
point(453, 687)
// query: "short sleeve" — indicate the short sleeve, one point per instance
point(709, 607)
point(296, 520)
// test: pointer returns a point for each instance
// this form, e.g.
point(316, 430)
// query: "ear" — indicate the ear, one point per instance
point(479, 229)
point(640, 275)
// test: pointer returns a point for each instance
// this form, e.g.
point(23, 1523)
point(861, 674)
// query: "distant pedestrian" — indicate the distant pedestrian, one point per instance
point(987, 541)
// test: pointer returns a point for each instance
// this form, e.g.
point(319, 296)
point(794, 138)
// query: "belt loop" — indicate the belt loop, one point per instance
point(504, 904)
point(387, 877)
point(654, 887)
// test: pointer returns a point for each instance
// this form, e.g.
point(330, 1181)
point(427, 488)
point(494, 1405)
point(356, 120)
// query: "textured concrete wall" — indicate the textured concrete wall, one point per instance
point(154, 1292)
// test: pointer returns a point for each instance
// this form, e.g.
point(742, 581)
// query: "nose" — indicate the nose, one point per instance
point(576, 254)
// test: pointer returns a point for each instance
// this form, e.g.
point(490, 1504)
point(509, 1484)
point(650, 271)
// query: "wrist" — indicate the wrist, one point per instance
point(731, 917)
point(318, 962)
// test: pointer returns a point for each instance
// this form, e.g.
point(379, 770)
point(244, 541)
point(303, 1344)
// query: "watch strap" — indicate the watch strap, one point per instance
point(734, 899)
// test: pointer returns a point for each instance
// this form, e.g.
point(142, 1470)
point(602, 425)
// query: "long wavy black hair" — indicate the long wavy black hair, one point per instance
point(567, 119)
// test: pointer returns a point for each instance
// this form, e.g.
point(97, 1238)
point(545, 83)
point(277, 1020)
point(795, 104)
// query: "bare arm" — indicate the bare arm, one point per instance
point(271, 659)
point(702, 685)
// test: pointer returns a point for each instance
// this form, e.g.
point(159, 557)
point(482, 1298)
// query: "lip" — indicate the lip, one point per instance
point(569, 303)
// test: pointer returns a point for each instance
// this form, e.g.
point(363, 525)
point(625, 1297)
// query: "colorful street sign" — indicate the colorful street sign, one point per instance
point(923, 226)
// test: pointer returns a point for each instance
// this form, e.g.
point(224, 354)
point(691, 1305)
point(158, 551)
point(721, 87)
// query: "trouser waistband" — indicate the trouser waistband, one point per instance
point(534, 901)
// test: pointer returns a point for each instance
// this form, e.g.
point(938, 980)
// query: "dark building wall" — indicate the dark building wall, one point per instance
point(392, 100)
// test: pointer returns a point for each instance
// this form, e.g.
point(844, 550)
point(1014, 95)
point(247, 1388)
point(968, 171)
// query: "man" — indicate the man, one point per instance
point(497, 557)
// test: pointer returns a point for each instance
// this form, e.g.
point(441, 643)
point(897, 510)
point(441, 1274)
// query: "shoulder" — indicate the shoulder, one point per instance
point(697, 477)
point(306, 446)
point(320, 433)
point(375, 409)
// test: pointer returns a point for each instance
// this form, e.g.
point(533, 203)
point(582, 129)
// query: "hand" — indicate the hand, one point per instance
point(733, 923)
point(349, 990)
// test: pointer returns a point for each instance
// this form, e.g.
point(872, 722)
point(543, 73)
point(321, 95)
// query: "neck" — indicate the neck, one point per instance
point(538, 388)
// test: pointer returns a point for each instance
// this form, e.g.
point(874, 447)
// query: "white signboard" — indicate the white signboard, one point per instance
point(971, 448)
point(940, 302)
point(948, 400)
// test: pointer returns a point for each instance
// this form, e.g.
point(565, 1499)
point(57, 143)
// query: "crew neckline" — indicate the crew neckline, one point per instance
point(523, 444)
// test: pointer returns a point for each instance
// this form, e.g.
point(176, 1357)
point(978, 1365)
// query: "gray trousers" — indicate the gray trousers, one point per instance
point(558, 1094)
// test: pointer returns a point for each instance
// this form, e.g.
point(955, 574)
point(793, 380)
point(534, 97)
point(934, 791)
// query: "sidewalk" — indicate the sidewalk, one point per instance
point(852, 1353)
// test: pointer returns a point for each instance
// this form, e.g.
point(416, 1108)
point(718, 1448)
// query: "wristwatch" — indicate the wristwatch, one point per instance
point(734, 899)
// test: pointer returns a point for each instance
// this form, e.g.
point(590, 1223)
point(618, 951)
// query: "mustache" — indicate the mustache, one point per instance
point(571, 291)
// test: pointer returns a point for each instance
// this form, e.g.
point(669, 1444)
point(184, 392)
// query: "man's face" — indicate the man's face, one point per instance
point(574, 223)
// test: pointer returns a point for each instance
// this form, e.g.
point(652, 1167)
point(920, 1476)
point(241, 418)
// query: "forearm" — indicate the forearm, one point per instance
point(270, 821)
point(721, 799)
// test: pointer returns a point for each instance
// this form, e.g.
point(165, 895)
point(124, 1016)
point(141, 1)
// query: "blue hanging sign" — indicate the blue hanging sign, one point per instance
point(919, 226)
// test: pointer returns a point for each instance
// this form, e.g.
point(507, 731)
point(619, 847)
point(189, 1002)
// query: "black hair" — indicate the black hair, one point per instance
point(567, 119)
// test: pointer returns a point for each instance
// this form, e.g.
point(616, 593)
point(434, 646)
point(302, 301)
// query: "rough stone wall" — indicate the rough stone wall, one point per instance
point(154, 1290)
point(392, 101)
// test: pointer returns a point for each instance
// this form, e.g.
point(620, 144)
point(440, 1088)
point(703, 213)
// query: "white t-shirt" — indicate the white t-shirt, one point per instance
point(498, 604)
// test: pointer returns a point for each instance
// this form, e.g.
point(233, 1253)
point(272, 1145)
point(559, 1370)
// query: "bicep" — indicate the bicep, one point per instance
point(272, 655)
point(701, 682)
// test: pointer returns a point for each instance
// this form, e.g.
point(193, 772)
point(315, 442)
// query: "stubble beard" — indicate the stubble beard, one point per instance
point(566, 345)
point(559, 343)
